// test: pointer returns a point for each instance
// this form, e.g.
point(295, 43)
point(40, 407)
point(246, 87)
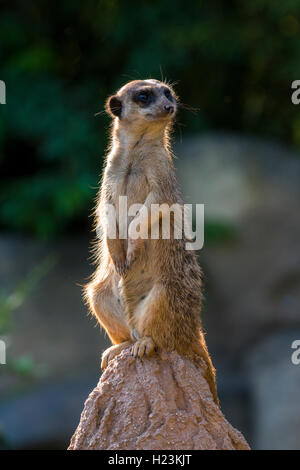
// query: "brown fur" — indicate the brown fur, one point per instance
point(145, 292)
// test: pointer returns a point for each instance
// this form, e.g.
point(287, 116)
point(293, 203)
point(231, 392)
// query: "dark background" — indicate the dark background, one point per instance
point(234, 62)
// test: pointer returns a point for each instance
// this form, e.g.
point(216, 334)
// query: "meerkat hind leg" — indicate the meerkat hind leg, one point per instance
point(112, 352)
point(144, 344)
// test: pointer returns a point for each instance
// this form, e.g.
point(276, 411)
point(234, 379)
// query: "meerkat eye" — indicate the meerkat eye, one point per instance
point(168, 94)
point(144, 97)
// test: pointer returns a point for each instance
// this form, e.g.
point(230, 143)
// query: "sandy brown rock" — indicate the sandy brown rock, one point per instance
point(157, 403)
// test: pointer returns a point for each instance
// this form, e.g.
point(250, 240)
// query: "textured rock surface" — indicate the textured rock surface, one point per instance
point(162, 402)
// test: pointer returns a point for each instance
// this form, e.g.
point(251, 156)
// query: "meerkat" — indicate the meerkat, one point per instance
point(146, 293)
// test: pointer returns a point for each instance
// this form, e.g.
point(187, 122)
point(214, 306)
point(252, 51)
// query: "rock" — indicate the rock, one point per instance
point(156, 403)
point(251, 185)
point(233, 175)
point(274, 384)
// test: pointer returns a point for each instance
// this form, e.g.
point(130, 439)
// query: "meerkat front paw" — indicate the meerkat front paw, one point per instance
point(117, 254)
point(112, 352)
point(120, 266)
point(133, 249)
point(143, 347)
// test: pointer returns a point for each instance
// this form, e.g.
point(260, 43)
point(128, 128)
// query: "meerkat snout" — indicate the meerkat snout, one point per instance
point(169, 109)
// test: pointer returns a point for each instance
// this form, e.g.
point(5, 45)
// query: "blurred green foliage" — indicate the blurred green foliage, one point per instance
point(9, 304)
point(20, 370)
point(233, 60)
point(219, 231)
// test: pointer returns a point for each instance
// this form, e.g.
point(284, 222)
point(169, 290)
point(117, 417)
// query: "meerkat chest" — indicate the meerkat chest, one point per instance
point(132, 183)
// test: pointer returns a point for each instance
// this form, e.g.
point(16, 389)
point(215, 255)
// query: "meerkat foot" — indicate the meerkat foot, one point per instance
point(143, 347)
point(112, 352)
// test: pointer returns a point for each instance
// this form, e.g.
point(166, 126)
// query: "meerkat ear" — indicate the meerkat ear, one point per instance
point(114, 106)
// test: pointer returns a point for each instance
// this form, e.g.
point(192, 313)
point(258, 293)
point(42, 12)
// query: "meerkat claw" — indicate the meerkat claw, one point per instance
point(133, 250)
point(143, 347)
point(121, 268)
point(130, 259)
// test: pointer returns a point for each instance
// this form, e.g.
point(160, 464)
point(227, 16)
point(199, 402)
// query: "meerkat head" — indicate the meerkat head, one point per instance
point(143, 101)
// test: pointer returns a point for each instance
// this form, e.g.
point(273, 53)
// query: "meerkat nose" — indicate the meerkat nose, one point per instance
point(169, 108)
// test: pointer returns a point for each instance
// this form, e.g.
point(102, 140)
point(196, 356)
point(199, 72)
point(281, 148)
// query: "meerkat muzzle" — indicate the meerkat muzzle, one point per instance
point(169, 109)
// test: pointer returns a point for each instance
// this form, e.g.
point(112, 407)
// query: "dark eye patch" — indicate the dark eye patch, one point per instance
point(168, 94)
point(144, 97)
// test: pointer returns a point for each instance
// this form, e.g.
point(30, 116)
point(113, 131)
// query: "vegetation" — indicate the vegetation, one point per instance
point(10, 303)
point(233, 60)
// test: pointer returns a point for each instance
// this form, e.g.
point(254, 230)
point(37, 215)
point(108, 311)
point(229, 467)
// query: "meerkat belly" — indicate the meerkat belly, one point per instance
point(139, 281)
